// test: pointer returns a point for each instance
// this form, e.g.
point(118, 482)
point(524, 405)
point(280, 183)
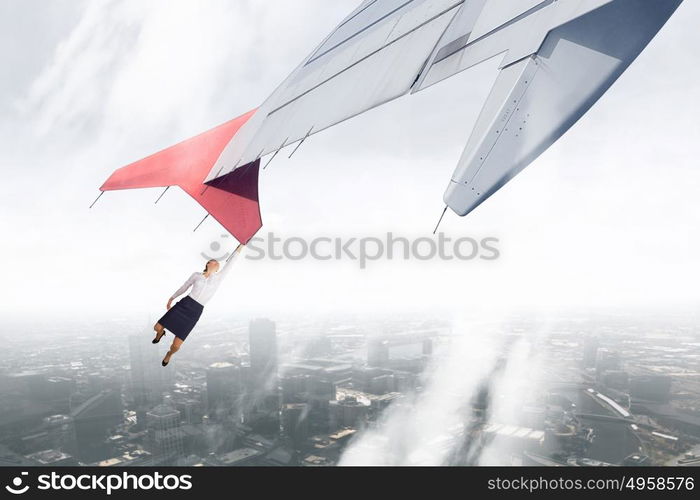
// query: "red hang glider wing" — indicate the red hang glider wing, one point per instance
point(232, 200)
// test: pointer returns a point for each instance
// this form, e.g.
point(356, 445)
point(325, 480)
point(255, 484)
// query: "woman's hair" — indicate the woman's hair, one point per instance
point(206, 266)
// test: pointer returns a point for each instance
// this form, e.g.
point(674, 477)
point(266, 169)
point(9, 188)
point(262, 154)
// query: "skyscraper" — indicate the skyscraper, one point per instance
point(295, 424)
point(164, 435)
point(263, 355)
point(263, 397)
point(223, 390)
point(146, 373)
point(590, 351)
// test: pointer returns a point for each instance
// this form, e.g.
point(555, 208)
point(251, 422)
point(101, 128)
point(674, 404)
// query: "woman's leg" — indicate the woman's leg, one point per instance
point(177, 343)
point(160, 331)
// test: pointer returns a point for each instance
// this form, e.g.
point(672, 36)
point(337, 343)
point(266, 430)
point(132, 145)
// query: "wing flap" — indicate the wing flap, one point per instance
point(538, 99)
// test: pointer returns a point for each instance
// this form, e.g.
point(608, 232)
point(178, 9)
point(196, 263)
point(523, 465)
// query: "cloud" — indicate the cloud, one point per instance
point(426, 430)
point(483, 364)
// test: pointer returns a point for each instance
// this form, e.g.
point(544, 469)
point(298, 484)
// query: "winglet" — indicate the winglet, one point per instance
point(232, 199)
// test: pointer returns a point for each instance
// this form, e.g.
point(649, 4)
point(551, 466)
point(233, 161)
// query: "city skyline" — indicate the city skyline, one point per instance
point(578, 389)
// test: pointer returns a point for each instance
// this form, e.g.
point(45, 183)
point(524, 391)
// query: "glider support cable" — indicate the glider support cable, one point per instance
point(276, 153)
point(440, 221)
point(163, 194)
point(302, 141)
point(98, 199)
point(200, 224)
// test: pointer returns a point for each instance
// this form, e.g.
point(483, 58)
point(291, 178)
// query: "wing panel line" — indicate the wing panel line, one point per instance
point(434, 18)
point(449, 50)
point(331, 49)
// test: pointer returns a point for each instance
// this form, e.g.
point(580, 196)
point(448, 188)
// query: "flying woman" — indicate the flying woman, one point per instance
point(183, 317)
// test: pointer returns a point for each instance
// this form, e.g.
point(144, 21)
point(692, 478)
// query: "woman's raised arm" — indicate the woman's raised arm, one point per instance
point(229, 263)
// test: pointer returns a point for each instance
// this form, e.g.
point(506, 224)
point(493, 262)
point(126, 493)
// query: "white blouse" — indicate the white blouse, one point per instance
point(203, 288)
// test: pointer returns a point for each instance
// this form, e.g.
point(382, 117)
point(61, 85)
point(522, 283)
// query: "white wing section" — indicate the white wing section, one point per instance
point(496, 13)
point(374, 56)
point(480, 33)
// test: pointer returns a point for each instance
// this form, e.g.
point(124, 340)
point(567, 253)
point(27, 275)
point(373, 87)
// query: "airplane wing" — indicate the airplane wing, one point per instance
point(556, 59)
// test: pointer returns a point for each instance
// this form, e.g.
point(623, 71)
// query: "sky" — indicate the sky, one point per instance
point(608, 217)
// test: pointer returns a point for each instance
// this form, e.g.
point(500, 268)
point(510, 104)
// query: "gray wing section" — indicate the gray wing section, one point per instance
point(538, 98)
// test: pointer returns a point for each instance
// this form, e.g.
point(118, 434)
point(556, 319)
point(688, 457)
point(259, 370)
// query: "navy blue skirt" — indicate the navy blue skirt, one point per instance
point(181, 319)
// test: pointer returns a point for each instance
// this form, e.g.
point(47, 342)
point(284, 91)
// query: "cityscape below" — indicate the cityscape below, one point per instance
point(573, 390)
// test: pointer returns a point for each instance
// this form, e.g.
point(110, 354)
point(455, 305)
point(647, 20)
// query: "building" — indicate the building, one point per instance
point(321, 346)
point(315, 461)
point(263, 355)
point(373, 380)
point(294, 387)
point(377, 353)
point(295, 424)
point(56, 392)
point(348, 412)
point(616, 379)
point(606, 360)
point(656, 388)
point(507, 438)
point(405, 381)
point(263, 395)
point(57, 433)
point(23, 405)
point(315, 382)
point(146, 374)
point(53, 458)
point(590, 351)
point(406, 352)
point(134, 458)
point(93, 421)
point(243, 457)
point(224, 390)
point(190, 411)
point(164, 440)
point(10, 458)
